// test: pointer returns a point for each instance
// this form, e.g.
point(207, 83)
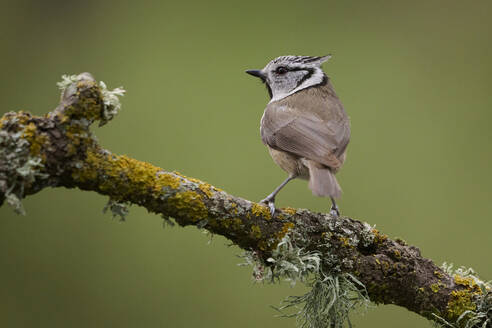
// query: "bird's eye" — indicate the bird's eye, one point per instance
point(281, 70)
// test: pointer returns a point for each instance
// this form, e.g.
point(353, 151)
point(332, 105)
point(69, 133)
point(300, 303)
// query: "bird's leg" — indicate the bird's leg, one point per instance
point(270, 199)
point(334, 210)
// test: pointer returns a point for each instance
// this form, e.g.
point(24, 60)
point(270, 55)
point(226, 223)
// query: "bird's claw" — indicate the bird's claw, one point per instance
point(271, 204)
point(334, 211)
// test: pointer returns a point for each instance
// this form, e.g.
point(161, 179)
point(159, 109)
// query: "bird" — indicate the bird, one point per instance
point(304, 125)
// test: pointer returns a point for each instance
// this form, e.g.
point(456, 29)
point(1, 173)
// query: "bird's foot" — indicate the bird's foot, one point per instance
point(334, 211)
point(270, 201)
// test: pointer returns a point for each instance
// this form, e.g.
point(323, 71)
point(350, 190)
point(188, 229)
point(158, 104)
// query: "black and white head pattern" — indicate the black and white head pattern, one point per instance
point(286, 75)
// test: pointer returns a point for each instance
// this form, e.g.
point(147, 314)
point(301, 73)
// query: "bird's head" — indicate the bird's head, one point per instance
point(285, 75)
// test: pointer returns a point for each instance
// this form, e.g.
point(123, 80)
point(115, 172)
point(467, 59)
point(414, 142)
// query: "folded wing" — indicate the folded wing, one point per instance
point(306, 134)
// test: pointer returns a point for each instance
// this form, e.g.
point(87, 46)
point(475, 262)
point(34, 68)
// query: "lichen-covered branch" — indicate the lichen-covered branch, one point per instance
point(58, 150)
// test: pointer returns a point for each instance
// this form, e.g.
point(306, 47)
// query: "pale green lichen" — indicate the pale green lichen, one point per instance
point(112, 103)
point(332, 295)
point(329, 302)
point(66, 81)
point(367, 235)
point(287, 262)
point(292, 263)
point(168, 221)
point(117, 209)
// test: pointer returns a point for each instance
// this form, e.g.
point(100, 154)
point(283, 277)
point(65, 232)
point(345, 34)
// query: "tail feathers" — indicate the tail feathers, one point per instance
point(322, 181)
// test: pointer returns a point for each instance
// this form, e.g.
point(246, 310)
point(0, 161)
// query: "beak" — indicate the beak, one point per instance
point(257, 73)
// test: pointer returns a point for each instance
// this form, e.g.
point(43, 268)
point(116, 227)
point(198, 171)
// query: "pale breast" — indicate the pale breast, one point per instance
point(310, 124)
point(289, 163)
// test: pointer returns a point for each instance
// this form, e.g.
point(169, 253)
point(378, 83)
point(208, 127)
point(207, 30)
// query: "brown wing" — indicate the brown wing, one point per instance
point(320, 132)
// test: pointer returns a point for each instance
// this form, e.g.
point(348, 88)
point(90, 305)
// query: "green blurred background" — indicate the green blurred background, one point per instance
point(414, 77)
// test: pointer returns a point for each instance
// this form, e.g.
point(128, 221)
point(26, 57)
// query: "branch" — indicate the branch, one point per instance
point(58, 150)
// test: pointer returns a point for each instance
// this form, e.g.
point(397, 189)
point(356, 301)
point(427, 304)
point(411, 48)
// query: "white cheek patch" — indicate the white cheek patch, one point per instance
point(316, 78)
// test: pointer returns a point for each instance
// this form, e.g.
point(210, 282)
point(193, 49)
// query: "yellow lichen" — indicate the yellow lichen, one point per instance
point(263, 245)
point(260, 210)
point(189, 203)
point(234, 224)
point(255, 231)
point(290, 210)
point(234, 208)
point(22, 118)
point(71, 150)
point(401, 241)
point(468, 282)
point(286, 227)
point(89, 171)
point(188, 178)
point(345, 241)
point(326, 235)
point(37, 143)
point(29, 131)
point(206, 189)
point(166, 180)
point(77, 135)
point(438, 274)
point(434, 287)
point(124, 175)
point(378, 292)
point(397, 254)
point(378, 237)
point(225, 223)
point(237, 222)
point(35, 139)
point(88, 106)
point(460, 302)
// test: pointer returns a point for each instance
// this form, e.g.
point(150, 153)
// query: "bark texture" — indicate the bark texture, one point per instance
point(58, 150)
